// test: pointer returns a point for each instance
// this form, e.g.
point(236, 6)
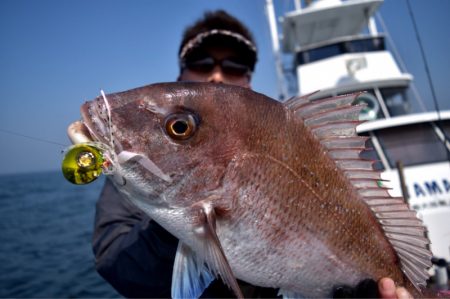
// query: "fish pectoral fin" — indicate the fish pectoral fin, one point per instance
point(289, 294)
point(212, 250)
point(190, 276)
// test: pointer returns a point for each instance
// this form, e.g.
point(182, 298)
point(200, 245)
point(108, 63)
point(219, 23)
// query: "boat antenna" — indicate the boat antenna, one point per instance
point(424, 58)
point(270, 13)
point(398, 57)
point(446, 140)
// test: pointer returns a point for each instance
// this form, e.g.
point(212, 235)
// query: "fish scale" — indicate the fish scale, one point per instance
point(270, 193)
point(297, 216)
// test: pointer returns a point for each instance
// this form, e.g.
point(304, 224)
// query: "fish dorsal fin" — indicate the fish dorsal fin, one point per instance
point(333, 122)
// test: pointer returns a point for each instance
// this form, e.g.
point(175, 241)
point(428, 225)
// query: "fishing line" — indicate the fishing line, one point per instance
point(399, 58)
point(33, 138)
point(430, 80)
point(424, 58)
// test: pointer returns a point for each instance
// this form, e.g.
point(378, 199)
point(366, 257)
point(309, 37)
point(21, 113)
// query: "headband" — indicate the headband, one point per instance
point(199, 38)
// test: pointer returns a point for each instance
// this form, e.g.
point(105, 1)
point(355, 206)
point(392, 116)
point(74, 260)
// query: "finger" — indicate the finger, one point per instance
point(387, 288)
point(402, 293)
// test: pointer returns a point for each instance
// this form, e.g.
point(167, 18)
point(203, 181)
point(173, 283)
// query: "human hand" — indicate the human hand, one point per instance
point(388, 290)
point(368, 288)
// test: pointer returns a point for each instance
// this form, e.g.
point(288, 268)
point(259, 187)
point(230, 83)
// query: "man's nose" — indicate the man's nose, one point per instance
point(216, 75)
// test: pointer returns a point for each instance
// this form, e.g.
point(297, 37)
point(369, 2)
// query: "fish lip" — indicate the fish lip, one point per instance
point(79, 133)
point(88, 114)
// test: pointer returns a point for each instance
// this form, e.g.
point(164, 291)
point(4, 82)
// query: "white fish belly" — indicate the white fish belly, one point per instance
point(301, 263)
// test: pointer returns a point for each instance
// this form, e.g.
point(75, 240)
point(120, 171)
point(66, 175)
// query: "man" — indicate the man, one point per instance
point(133, 253)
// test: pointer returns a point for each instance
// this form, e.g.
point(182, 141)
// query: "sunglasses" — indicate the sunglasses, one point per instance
point(207, 64)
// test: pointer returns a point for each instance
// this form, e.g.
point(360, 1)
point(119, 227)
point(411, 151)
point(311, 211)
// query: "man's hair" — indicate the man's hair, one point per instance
point(223, 22)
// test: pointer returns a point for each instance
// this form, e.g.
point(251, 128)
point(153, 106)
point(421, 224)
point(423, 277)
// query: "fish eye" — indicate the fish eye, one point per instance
point(180, 126)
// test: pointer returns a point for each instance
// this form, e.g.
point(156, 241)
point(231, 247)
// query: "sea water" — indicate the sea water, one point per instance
point(46, 226)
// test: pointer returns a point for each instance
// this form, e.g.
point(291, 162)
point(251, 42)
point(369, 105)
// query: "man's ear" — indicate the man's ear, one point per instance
point(249, 81)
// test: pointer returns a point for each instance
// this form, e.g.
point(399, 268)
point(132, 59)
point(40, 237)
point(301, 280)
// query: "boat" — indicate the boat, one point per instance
point(339, 42)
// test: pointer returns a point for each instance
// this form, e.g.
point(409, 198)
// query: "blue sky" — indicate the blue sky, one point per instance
point(56, 54)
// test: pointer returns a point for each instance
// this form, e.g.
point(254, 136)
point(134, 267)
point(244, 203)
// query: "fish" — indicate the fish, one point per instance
point(272, 193)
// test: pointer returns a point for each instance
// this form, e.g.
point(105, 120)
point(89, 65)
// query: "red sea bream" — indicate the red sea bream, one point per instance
point(271, 193)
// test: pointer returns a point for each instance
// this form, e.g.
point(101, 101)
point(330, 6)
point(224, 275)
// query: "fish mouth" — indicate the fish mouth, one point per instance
point(93, 129)
point(94, 125)
point(79, 133)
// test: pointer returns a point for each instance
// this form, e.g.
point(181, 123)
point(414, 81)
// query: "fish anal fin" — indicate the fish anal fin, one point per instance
point(190, 276)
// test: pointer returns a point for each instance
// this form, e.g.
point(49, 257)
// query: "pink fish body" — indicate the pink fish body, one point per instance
point(271, 193)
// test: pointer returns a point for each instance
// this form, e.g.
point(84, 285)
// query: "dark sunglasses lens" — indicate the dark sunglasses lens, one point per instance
point(234, 68)
point(203, 65)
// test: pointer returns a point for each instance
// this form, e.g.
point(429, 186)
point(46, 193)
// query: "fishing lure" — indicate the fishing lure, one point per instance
point(83, 163)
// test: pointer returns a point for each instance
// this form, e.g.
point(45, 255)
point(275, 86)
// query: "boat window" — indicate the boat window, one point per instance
point(369, 44)
point(396, 100)
point(322, 52)
point(445, 126)
point(412, 144)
